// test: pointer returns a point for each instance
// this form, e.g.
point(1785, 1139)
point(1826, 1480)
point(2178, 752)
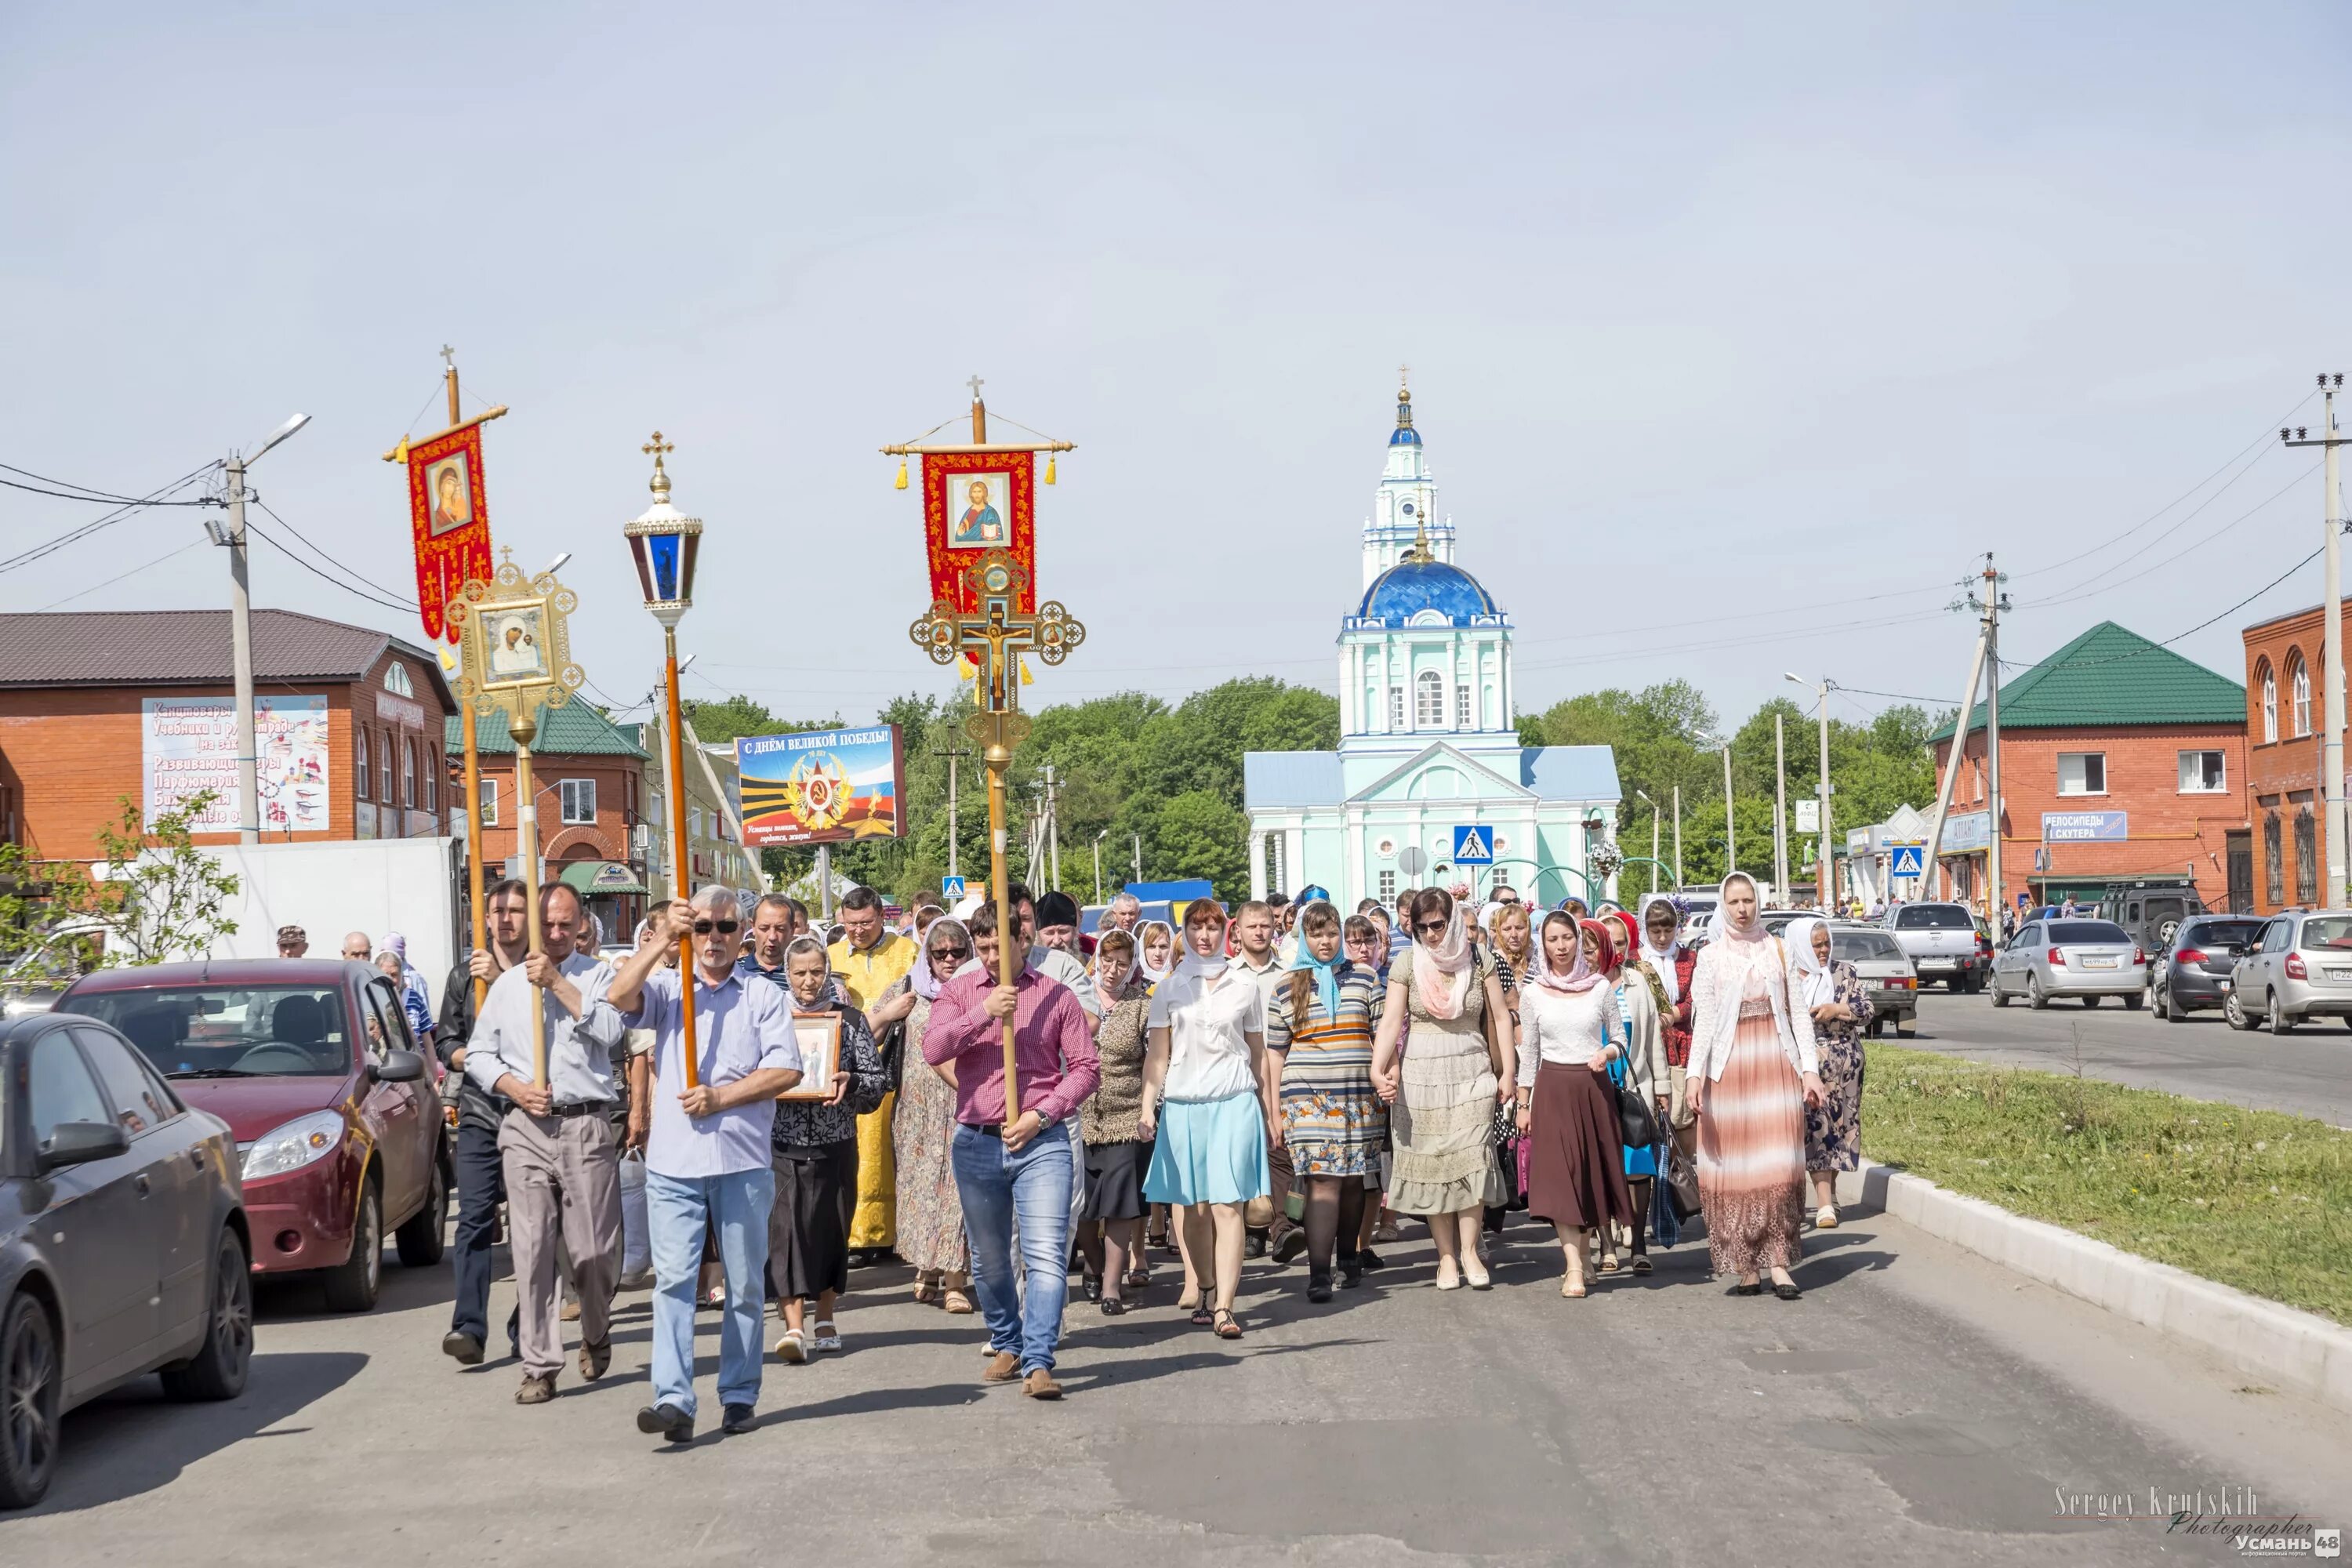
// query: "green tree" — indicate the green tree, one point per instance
point(160, 896)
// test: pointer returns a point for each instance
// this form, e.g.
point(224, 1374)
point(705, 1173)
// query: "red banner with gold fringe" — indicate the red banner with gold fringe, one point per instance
point(448, 519)
point(974, 501)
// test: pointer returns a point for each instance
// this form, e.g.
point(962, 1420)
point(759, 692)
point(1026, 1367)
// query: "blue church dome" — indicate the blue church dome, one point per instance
point(1411, 587)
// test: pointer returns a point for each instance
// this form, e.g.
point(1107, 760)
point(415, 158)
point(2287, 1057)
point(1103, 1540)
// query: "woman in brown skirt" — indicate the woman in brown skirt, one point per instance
point(1752, 1074)
point(1567, 1113)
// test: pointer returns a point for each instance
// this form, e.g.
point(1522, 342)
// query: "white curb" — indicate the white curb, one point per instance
point(2282, 1346)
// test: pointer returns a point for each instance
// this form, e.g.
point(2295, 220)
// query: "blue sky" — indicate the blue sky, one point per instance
point(1735, 338)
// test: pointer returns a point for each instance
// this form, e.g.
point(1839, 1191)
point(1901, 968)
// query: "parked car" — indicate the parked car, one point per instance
point(2078, 958)
point(2194, 971)
point(1941, 943)
point(336, 1111)
point(1885, 972)
point(1698, 909)
point(2151, 908)
point(123, 1239)
point(2301, 968)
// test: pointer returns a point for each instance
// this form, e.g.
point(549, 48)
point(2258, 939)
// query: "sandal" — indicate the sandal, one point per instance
point(1090, 1283)
point(1609, 1263)
point(1573, 1289)
point(1641, 1263)
point(927, 1291)
point(1825, 1218)
point(957, 1303)
point(1111, 1306)
point(1227, 1329)
point(1139, 1279)
point(1203, 1317)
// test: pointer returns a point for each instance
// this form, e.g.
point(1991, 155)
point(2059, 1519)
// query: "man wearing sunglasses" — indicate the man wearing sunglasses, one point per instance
point(708, 1161)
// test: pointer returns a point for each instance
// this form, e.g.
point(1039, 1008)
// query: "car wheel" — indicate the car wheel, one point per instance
point(2090, 1002)
point(420, 1239)
point(2275, 1018)
point(353, 1286)
point(217, 1370)
point(2035, 997)
point(30, 1379)
point(2233, 1012)
point(2135, 1001)
point(2000, 997)
point(2171, 1007)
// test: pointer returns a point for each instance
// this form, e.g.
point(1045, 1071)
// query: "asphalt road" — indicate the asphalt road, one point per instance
point(1918, 1406)
point(2307, 1071)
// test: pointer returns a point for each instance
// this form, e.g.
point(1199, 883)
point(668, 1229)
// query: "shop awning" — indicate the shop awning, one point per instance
point(593, 877)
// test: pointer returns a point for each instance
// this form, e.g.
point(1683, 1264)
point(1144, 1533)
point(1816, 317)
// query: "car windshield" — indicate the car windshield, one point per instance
point(2222, 933)
point(2328, 931)
point(1933, 917)
point(278, 1031)
point(1863, 945)
point(2067, 933)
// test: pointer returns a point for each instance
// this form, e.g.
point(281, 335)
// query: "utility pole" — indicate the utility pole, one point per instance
point(240, 642)
point(1994, 602)
point(1780, 806)
point(1826, 864)
point(1944, 795)
point(2332, 824)
point(1678, 837)
point(954, 755)
point(1053, 831)
point(1138, 857)
point(1730, 841)
point(1099, 838)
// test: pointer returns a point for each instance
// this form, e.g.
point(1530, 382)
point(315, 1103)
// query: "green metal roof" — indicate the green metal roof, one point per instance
point(574, 729)
point(2112, 676)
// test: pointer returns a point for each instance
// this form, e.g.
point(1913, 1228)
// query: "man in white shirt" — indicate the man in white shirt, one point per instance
point(707, 1159)
point(559, 1157)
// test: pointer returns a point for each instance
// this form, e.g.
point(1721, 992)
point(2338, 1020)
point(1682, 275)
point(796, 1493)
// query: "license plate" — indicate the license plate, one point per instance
point(1937, 962)
point(2102, 962)
point(2225, 984)
point(2339, 974)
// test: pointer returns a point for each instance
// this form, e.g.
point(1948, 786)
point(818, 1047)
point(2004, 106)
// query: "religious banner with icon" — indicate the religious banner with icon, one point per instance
point(448, 520)
point(976, 502)
point(515, 644)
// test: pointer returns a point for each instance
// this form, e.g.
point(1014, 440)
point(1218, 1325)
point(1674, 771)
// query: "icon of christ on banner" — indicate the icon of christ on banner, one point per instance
point(982, 522)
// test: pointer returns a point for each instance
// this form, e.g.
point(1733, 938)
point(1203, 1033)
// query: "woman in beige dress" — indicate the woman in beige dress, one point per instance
point(922, 1128)
point(1459, 1062)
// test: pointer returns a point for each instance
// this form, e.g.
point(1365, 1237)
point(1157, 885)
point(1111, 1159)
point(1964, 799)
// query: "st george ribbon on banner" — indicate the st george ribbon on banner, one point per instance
point(448, 518)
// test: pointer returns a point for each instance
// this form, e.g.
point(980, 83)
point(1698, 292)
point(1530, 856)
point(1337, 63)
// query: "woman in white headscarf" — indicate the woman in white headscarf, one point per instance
point(1752, 1073)
point(1566, 1112)
point(1155, 952)
point(1840, 1009)
point(1675, 967)
point(922, 1134)
point(1460, 1061)
point(1110, 1224)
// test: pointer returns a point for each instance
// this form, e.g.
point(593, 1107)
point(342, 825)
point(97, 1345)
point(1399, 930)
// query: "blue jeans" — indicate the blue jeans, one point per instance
point(995, 1185)
point(676, 1210)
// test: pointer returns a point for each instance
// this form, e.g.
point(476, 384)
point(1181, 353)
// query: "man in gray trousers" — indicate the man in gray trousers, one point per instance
point(558, 1146)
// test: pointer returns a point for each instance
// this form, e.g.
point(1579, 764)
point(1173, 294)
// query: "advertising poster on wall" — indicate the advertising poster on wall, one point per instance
point(188, 744)
point(821, 786)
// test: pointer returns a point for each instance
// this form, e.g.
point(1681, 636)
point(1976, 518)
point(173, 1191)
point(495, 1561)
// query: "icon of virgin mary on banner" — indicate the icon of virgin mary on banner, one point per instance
point(974, 501)
point(447, 520)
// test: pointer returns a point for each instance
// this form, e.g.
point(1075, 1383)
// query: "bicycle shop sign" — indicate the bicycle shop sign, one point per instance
point(2086, 826)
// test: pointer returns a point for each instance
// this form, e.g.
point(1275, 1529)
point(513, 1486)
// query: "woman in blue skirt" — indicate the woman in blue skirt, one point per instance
point(1210, 1098)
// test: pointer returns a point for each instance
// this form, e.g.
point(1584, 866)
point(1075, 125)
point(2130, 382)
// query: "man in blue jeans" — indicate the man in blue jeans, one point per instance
point(1023, 1165)
point(707, 1155)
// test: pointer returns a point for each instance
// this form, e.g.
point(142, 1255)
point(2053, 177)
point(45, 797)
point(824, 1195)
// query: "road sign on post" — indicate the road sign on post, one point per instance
point(1473, 846)
point(1809, 815)
point(1907, 859)
point(951, 886)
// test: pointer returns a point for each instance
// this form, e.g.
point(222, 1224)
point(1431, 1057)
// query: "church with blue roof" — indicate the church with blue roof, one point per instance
point(1428, 734)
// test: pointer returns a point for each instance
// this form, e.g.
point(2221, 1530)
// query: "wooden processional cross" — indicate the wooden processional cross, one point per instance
point(994, 635)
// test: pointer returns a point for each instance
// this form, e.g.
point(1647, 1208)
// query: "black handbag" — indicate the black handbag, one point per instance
point(1682, 1182)
point(1637, 1124)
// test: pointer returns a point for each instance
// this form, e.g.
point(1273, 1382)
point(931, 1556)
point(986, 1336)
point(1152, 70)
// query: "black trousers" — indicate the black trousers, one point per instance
point(481, 1188)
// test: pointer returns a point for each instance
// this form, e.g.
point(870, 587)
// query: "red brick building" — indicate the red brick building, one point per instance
point(2284, 716)
point(98, 706)
point(589, 775)
point(2118, 758)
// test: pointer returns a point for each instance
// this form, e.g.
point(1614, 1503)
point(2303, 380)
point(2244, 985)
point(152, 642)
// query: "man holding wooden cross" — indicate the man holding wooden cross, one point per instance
point(560, 1159)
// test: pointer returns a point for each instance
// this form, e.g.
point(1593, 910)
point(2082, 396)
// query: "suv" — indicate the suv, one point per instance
point(2301, 969)
point(1941, 942)
point(2151, 908)
point(336, 1110)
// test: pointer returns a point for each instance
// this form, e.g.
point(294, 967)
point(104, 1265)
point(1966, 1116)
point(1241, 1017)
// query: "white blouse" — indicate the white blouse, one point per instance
point(1562, 1026)
point(1207, 1025)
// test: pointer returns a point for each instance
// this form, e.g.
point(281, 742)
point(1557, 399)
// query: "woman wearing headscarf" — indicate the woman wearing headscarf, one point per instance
point(1110, 1224)
point(922, 1133)
point(1752, 1074)
point(1567, 1114)
point(1674, 966)
point(1458, 1063)
point(1155, 960)
point(1508, 940)
point(1841, 1010)
point(1640, 1066)
point(1319, 1027)
point(814, 1146)
point(1209, 1096)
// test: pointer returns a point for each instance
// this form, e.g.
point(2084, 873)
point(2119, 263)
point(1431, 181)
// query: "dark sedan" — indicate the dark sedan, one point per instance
point(123, 1239)
point(2193, 973)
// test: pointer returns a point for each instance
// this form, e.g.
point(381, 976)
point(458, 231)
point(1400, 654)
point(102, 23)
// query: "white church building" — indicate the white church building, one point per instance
point(1428, 740)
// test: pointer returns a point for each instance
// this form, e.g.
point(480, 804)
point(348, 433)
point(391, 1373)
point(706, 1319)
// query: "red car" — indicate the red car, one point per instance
point(335, 1109)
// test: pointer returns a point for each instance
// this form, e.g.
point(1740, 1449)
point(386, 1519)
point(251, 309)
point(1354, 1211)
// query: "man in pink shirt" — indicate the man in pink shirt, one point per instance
point(1023, 1167)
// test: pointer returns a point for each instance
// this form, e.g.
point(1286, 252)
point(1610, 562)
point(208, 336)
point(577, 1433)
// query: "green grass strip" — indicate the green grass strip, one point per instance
point(2254, 1199)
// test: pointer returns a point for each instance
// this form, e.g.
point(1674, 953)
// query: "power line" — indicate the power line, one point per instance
point(2234, 609)
point(99, 499)
point(94, 587)
point(257, 530)
point(358, 576)
point(2070, 596)
point(50, 546)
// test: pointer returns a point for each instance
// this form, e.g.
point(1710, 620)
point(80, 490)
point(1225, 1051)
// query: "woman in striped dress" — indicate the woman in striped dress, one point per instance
point(1456, 1064)
point(1320, 1027)
point(1752, 1075)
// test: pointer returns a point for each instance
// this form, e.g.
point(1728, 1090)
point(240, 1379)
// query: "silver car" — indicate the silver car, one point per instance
point(2083, 958)
point(2301, 969)
point(1885, 972)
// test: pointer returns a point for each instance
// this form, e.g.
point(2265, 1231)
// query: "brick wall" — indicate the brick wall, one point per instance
point(2171, 833)
point(606, 840)
point(2283, 774)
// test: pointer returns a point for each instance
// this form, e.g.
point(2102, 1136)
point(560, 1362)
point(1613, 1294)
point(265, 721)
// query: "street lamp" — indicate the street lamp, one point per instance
point(1099, 838)
point(1644, 794)
point(240, 636)
point(665, 543)
point(1822, 893)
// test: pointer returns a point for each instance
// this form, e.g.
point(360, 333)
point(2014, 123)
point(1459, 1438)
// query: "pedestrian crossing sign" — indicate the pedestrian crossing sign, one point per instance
point(1907, 860)
point(951, 886)
point(1473, 846)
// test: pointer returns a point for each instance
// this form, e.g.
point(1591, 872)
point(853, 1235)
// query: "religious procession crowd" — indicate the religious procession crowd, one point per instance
point(1282, 1080)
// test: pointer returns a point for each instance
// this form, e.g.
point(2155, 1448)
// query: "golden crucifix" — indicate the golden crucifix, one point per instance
point(995, 636)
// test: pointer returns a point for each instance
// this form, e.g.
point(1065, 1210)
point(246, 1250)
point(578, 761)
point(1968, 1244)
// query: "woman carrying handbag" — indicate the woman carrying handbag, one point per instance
point(1639, 1074)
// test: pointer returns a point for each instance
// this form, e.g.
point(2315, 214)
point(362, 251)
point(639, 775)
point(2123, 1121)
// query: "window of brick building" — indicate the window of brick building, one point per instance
point(2204, 773)
point(579, 805)
point(2273, 871)
point(2298, 685)
point(2306, 857)
point(2081, 773)
point(489, 804)
point(2267, 679)
point(383, 769)
point(360, 760)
